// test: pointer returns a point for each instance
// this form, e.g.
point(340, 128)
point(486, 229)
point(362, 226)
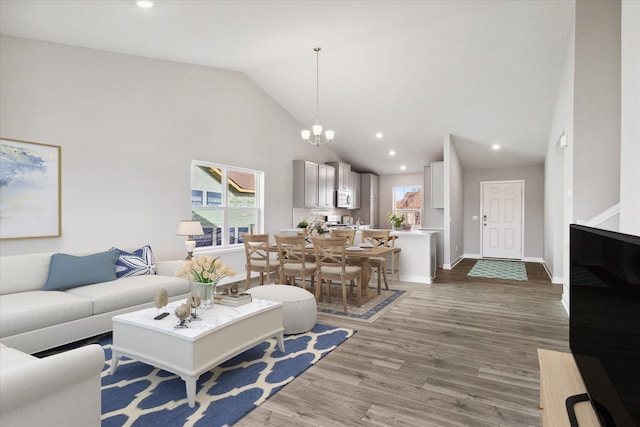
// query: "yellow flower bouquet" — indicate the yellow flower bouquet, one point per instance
point(205, 269)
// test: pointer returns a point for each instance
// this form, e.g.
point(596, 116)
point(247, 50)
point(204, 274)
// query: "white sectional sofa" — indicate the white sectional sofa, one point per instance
point(58, 390)
point(33, 319)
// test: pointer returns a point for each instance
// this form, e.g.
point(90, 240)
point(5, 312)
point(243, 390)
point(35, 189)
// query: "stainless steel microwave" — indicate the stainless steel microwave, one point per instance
point(343, 198)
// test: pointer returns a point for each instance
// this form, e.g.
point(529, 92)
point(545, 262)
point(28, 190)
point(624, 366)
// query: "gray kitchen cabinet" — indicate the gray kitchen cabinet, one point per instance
point(343, 175)
point(326, 186)
point(355, 190)
point(437, 185)
point(313, 185)
point(369, 202)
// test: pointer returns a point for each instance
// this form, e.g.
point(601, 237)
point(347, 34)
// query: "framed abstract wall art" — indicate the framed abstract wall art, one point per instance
point(30, 193)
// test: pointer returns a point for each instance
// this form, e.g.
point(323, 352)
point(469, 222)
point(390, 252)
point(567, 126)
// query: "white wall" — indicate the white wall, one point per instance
point(453, 205)
point(630, 119)
point(558, 172)
point(533, 177)
point(387, 182)
point(596, 114)
point(129, 128)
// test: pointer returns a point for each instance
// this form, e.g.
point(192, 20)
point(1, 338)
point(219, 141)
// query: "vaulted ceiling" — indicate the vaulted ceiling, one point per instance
point(485, 72)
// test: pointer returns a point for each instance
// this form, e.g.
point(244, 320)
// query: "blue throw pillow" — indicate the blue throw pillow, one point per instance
point(136, 263)
point(69, 271)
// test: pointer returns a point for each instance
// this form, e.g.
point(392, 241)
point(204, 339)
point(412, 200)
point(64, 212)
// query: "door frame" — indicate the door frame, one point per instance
point(522, 222)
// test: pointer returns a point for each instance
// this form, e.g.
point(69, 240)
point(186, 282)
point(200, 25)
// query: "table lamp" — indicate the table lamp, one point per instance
point(189, 228)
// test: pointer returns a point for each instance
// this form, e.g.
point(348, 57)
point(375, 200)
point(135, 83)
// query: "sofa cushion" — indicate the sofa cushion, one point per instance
point(136, 263)
point(26, 311)
point(13, 268)
point(129, 291)
point(69, 271)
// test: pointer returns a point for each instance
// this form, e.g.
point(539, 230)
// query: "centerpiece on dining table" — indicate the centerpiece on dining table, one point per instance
point(205, 273)
point(317, 228)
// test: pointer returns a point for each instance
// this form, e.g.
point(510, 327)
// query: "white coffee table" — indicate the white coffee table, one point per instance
point(221, 333)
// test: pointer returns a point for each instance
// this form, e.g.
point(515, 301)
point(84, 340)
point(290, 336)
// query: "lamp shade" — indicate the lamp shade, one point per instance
point(190, 228)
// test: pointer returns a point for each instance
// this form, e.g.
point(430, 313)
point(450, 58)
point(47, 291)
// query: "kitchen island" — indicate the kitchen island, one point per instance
point(418, 256)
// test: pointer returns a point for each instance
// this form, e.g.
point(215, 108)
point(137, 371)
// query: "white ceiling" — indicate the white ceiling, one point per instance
point(483, 71)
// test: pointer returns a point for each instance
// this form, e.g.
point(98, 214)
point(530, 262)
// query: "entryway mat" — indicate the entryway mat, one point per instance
point(507, 270)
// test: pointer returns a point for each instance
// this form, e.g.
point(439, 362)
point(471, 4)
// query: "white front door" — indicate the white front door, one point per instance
point(502, 219)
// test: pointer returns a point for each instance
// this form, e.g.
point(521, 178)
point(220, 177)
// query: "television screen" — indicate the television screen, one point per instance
point(605, 321)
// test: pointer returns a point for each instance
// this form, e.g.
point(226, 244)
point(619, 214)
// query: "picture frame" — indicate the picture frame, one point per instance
point(30, 189)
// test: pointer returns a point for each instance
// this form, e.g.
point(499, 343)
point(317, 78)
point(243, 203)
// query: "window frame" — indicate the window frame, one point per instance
point(418, 211)
point(224, 206)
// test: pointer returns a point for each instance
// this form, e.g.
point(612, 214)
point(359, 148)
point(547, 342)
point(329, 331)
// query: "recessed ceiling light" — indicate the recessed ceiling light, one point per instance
point(379, 135)
point(145, 4)
point(392, 153)
point(403, 167)
point(496, 147)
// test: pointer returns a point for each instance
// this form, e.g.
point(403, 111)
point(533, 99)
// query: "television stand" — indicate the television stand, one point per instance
point(559, 380)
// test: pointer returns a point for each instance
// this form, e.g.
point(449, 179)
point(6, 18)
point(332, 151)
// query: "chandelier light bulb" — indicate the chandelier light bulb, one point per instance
point(317, 128)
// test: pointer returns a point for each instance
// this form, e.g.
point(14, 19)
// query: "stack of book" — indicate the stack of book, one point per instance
point(232, 300)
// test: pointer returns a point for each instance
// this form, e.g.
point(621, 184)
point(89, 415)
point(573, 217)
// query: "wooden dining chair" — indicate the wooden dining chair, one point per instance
point(331, 263)
point(294, 260)
point(395, 258)
point(256, 249)
point(348, 234)
point(378, 238)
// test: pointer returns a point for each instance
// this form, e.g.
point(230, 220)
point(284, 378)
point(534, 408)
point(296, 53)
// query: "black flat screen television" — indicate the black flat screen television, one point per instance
point(604, 318)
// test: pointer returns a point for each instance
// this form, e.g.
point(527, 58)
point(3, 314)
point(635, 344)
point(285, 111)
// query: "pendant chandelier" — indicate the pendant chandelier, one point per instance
point(317, 139)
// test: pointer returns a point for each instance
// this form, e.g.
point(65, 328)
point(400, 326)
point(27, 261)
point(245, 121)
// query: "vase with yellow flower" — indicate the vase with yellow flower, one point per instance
point(205, 273)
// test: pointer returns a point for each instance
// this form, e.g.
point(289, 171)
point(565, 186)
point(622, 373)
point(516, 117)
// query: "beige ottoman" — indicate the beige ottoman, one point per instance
point(299, 306)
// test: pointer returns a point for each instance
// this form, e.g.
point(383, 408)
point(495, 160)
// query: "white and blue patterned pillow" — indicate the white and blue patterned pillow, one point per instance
point(136, 263)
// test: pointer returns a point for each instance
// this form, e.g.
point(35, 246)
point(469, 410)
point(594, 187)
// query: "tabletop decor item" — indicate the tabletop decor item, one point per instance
point(205, 272)
point(194, 301)
point(182, 312)
point(317, 227)
point(160, 301)
point(396, 220)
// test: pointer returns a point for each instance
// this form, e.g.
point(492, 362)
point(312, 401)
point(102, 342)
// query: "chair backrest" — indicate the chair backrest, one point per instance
point(291, 249)
point(376, 237)
point(256, 247)
point(349, 235)
point(330, 251)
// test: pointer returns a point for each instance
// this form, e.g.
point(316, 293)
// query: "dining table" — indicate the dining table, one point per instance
point(362, 253)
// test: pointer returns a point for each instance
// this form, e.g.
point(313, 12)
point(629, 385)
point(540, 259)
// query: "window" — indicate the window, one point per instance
point(407, 200)
point(228, 209)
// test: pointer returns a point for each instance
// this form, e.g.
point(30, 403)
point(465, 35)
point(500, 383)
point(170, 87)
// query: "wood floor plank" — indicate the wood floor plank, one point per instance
point(458, 352)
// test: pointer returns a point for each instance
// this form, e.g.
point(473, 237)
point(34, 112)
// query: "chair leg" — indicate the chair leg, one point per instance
point(344, 295)
point(319, 289)
point(378, 274)
point(384, 276)
point(359, 292)
point(246, 285)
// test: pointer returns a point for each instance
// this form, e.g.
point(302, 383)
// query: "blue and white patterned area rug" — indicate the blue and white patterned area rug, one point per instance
point(369, 311)
point(507, 270)
point(141, 395)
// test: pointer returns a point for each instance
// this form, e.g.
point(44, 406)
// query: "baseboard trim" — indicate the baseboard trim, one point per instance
point(533, 259)
point(453, 264)
point(472, 256)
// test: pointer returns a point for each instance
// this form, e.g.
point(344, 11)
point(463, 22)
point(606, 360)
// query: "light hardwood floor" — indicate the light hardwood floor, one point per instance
point(459, 352)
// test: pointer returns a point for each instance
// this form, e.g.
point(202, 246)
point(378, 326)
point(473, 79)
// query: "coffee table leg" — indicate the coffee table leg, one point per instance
point(190, 385)
point(280, 339)
point(115, 358)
